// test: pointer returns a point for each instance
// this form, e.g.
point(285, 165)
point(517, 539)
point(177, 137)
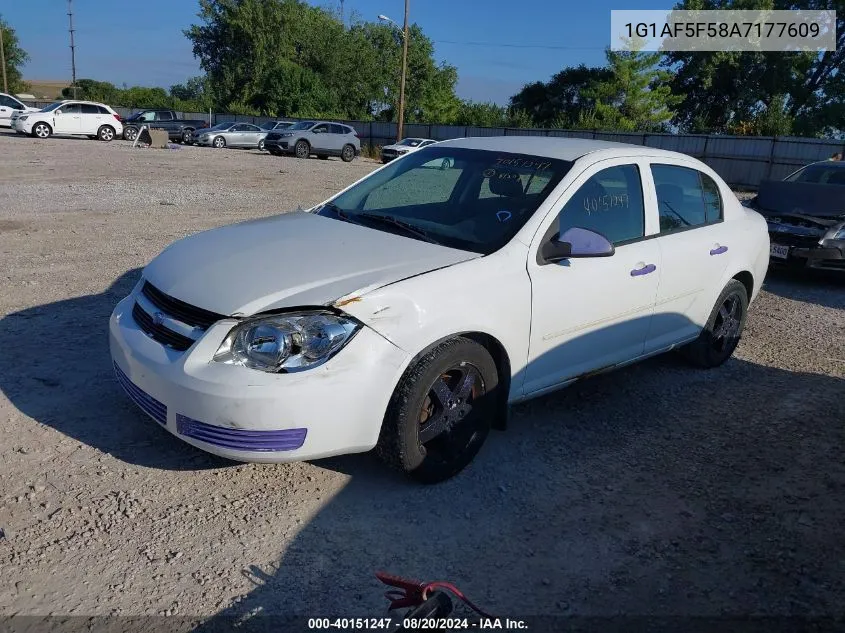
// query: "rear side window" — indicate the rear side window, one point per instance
point(337, 129)
point(165, 116)
point(88, 108)
point(685, 197)
point(609, 203)
point(103, 110)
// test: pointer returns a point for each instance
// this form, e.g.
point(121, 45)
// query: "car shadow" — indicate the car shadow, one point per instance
point(659, 490)
point(56, 369)
point(821, 287)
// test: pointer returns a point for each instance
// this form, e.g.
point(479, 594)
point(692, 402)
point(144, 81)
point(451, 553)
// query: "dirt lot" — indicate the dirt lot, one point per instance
point(660, 489)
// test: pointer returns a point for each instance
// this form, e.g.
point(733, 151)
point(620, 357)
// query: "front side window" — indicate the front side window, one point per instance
point(474, 200)
point(685, 197)
point(71, 108)
point(609, 203)
point(321, 129)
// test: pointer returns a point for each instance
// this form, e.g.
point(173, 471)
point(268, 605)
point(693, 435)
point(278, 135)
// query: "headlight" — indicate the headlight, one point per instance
point(286, 134)
point(286, 342)
point(402, 151)
point(23, 118)
point(839, 234)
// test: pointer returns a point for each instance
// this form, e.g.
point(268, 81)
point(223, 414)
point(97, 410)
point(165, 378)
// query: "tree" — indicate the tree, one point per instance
point(635, 96)
point(559, 102)
point(15, 58)
point(721, 91)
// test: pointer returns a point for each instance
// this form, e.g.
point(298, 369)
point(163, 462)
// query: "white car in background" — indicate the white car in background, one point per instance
point(9, 107)
point(78, 118)
point(405, 146)
point(408, 311)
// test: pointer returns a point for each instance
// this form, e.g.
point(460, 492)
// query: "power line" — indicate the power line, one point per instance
point(508, 45)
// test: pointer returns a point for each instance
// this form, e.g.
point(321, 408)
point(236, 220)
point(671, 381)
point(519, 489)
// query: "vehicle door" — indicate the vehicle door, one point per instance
point(320, 137)
point(90, 119)
point(237, 136)
point(252, 134)
point(694, 250)
point(593, 313)
point(7, 106)
point(339, 137)
point(68, 119)
point(165, 121)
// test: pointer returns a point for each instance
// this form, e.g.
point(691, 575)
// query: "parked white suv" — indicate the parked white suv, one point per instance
point(8, 106)
point(81, 118)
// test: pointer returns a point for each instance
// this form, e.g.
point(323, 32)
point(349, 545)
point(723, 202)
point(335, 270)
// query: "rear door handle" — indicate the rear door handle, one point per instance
point(719, 250)
point(643, 270)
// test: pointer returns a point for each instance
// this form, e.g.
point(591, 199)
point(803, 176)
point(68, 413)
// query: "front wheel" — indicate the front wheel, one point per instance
point(723, 329)
point(42, 130)
point(130, 133)
point(347, 154)
point(441, 411)
point(219, 142)
point(106, 133)
point(302, 149)
point(261, 145)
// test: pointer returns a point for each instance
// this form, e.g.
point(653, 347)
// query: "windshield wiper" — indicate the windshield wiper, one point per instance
point(340, 213)
point(409, 229)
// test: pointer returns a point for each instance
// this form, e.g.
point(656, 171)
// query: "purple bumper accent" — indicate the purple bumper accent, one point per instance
point(149, 405)
point(241, 439)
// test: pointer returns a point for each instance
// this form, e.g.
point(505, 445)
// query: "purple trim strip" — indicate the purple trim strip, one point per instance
point(149, 405)
point(241, 439)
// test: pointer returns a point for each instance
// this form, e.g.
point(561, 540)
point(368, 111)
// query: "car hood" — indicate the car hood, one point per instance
point(399, 147)
point(292, 260)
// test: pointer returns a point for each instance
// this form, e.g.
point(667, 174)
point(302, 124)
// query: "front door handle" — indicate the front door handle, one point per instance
point(643, 270)
point(719, 250)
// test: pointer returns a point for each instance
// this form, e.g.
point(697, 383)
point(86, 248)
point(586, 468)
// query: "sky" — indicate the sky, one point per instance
point(496, 45)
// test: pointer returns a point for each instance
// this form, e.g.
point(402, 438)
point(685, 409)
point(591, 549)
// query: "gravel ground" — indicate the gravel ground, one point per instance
point(659, 489)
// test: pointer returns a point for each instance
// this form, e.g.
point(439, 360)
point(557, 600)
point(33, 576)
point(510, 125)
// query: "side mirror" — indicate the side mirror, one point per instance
point(576, 242)
point(58, 112)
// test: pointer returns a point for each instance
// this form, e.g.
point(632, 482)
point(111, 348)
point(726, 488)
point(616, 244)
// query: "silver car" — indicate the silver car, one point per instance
point(321, 138)
point(232, 134)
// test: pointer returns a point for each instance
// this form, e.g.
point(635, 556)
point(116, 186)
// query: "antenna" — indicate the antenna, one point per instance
point(72, 46)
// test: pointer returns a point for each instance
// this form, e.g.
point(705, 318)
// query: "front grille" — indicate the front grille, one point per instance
point(180, 310)
point(273, 136)
point(149, 405)
point(158, 332)
point(789, 239)
point(240, 439)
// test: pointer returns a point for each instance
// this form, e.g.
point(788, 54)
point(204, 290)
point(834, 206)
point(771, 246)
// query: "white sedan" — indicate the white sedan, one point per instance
point(405, 146)
point(408, 311)
point(75, 118)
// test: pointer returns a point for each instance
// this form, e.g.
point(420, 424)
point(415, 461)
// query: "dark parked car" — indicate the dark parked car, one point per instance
point(806, 216)
point(177, 129)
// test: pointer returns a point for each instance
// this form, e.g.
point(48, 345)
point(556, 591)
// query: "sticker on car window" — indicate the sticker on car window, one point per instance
point(523, 163)
point(503, 216)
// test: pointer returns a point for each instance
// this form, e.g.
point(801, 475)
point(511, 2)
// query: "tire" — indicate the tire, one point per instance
point(302, 149)
point(187, 136)
point(219, 142)
point(432, 400)
point(347, 154)
point(130, 133)
point(106, 133)
point(42, 130)
point(261, 145)
point(721, 334)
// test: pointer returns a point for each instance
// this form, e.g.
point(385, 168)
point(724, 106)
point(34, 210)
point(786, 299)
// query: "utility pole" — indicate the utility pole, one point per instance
point(3, 61)
point(72, 46)
point(342, 21)
point(404, 73)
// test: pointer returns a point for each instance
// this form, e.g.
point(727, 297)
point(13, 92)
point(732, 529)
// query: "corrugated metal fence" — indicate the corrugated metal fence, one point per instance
point(743, 161)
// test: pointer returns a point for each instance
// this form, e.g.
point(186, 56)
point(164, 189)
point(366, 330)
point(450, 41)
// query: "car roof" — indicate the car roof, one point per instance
point(84, 101)
point(835, 164)
point(554, 147)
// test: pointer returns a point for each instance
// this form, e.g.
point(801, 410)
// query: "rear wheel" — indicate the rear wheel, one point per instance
point(187, 136)
point(219, 142)
point(347, 153)
point(440, 413)
point(42, 130)
point(106, 133)
point(261, 145)
point(130, 133)
point(302, 149)
point(723, 329)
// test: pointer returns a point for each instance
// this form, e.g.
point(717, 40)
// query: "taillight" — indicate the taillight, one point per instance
point(117, 116)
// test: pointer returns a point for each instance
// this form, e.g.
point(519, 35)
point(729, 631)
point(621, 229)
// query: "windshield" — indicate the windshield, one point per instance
point(302, 125)
point(220, 126)
point(52, 107)
point(474, 200)
point(269, 125)
point(412, 142)
point(820, 175)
